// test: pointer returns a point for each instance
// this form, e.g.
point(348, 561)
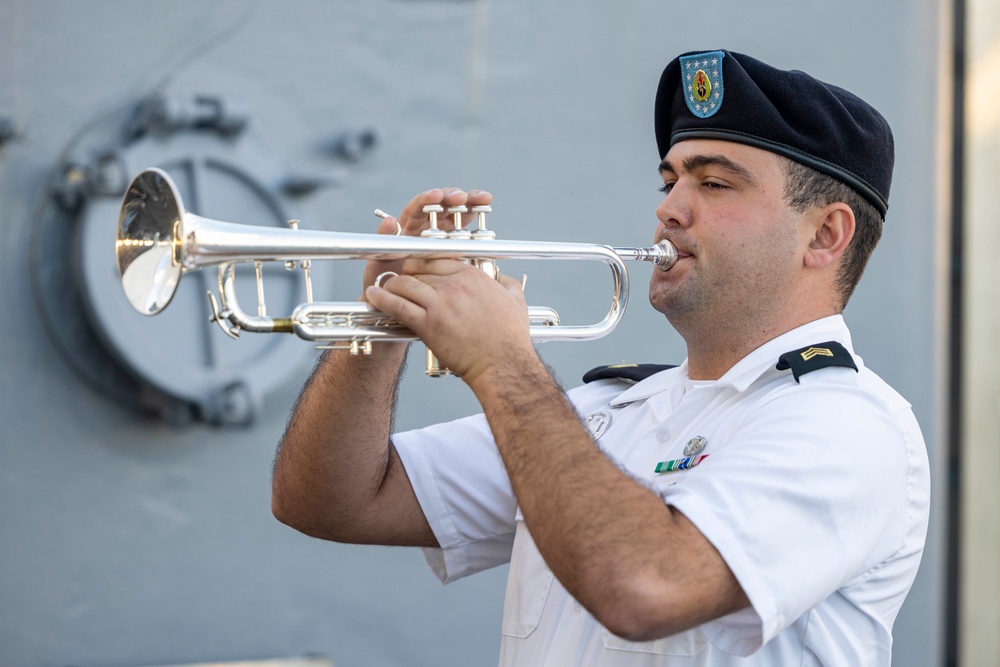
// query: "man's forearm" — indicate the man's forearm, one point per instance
point(335, 473)
point(564, 485)
point(611, 542)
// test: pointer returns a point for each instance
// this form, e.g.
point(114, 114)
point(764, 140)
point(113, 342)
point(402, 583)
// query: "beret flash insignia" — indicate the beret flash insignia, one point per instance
point(701, 79)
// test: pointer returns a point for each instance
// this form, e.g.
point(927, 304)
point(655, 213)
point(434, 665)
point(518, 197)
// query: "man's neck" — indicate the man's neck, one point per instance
point(713, 350)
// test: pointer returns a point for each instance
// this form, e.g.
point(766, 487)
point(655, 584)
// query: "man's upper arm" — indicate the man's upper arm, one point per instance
point(798, 501)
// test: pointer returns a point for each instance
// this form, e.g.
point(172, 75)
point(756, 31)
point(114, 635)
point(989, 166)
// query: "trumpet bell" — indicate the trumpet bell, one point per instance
point(149, 240)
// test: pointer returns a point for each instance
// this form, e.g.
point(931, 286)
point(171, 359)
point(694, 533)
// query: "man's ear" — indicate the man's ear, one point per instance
point(831, 229)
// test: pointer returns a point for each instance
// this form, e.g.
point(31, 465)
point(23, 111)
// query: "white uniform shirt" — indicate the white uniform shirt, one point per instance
point(816, 494)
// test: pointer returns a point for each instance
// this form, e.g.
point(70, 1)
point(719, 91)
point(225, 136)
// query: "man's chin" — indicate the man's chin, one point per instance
point(669, 305)
point(674, 300)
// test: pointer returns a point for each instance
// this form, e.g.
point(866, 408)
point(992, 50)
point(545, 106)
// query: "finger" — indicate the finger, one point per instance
point(416, 266)
point(454, 218)
point(469, 200)
point(512, 285)
point(402, 309)
point(416, 219)
point(375, 267)
point(479, 198)
point(389, 225)
point(413, 219)
point(417, 289)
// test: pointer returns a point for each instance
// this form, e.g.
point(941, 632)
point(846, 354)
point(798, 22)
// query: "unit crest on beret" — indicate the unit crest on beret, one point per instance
point(814, 357)
point(630, 373)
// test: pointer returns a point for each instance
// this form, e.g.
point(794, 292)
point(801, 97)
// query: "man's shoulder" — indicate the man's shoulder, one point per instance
point(815, 357)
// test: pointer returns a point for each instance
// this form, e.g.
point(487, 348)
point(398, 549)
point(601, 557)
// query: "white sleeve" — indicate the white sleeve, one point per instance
point(464, 491)
point(463, 488)
point(806, 494)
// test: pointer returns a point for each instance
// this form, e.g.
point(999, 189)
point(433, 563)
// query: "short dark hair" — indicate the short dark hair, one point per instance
point(805, 187)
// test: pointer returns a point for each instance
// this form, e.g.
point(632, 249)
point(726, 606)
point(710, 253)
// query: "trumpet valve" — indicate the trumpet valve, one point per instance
point(459, 232)
point(480, 213)
point(487, 266)
point(432, 211)
point(483, 234)
point(290, 263)
point(434, 368)
point(355, 347)
point(261, 305)
point(361, 347)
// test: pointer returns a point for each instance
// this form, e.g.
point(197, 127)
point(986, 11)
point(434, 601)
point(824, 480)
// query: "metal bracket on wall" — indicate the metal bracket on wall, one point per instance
point(163, 116)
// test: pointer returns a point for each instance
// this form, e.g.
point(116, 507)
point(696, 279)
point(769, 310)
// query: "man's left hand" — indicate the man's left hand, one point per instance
point(472, 323)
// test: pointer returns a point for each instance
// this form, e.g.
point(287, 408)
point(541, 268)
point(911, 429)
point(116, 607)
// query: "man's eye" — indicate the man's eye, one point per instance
point(666, 187)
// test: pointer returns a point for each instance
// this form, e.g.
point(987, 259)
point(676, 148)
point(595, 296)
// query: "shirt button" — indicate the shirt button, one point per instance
point(663, 435)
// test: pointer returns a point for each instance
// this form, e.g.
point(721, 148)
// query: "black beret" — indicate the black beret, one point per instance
point(733, 97)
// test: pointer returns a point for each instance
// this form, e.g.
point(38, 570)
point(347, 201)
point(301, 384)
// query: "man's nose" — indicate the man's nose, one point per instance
point(674, 210)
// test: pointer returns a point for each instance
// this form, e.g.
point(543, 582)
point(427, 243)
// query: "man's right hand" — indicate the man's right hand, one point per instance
point(413, 220)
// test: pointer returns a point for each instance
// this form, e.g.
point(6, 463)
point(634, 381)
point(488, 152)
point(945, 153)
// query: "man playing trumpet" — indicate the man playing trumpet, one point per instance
point(764, 503)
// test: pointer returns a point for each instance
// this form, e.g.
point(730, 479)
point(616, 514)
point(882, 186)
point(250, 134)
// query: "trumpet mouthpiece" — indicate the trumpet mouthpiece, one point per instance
point(663, 255)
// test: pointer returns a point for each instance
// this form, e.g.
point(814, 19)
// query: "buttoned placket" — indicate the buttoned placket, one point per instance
point(678, 420)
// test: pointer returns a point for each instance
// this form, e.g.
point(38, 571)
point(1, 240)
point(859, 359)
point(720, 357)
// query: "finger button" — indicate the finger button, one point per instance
point(432, 211)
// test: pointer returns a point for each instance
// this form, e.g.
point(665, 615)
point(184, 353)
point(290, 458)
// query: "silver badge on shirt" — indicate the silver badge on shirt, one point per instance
point(695, 445)
point(597, 423)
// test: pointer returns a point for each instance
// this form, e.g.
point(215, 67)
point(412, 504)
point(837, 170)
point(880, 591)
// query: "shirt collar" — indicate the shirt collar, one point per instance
point(752, 366)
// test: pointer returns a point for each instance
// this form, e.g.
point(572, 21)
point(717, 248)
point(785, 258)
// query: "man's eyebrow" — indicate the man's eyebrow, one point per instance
point(694, 162)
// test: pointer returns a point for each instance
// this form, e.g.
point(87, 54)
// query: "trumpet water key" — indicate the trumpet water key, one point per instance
point(159, 241)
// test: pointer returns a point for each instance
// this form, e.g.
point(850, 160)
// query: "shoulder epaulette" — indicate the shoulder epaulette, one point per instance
point(815, 357)
point(628, 372)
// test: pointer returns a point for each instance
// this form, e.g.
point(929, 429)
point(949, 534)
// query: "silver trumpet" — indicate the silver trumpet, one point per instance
point(159, 241)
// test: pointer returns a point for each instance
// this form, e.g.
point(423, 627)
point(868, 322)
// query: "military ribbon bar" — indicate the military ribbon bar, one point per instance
point(674, 465)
